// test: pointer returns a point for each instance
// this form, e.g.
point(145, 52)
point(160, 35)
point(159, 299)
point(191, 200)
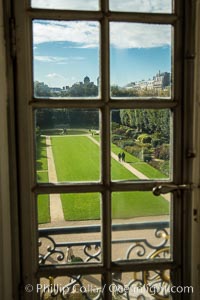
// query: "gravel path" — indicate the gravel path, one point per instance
point(56, 210)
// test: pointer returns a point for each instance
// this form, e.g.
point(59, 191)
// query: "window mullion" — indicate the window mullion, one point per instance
point(105, 144)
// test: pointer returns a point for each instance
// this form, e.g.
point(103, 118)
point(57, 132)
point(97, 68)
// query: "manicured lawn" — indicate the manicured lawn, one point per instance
point(134, 204)
point(43, 209)
point(42, 176)
point(143, 167)
point(41, 160)
point(124, 205)
point(81, 206)
point(77, 159)
point(136, 163)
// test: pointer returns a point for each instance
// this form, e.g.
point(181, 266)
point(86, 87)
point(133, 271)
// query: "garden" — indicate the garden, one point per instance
point(77, 158)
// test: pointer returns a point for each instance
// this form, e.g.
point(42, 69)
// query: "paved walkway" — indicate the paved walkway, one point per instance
point(129, 167)
point(126, 165)
point(56, 210)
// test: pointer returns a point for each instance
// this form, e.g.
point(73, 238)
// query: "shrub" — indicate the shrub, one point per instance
point(114, 126)
point(127, 143)
point(130, 133)
point(162, 152)
point(147, 157)
point(156, 142)
point(134, 150)
point(116, 137)
point(144, 138)
point(165, 167)
point(119, 131)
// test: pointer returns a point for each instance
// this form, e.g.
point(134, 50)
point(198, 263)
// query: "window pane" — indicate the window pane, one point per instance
point(140, 60)
point(66, 58)
point(66, 4)
point(140, 226)
point(69, 228)
point(67, 145)
point(78, 287)
point(151, 6)
point(142, 285)
point(141, 144)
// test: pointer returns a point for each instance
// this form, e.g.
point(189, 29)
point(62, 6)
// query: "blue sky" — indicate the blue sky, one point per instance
point(66, 52)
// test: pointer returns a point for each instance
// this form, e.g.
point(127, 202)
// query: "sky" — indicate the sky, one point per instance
point(66, 51)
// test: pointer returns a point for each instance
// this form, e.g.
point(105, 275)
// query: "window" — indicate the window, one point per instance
point(99, 108)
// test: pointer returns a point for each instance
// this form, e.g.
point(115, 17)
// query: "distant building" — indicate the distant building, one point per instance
point(159, 82)
point(55, 90)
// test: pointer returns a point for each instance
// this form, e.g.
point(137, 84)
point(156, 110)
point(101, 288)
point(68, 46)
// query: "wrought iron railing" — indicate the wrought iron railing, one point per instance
point(56, 246)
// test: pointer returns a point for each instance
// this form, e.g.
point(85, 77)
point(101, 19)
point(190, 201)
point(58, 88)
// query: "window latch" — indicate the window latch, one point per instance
point(168, 188)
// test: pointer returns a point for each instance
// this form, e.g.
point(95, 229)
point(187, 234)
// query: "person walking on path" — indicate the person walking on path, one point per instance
point(123, 156)
point(119, 156)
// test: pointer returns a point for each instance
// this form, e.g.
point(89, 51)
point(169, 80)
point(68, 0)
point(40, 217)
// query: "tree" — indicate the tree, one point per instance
point(41, 89)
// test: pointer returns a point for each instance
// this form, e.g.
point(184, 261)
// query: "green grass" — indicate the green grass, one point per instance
point(143, 167)
point(136, 163)
point(77, 159)
point(81, 206)
point(43, 209)
point(125, 205)
point(42, 176)
point(134, 204)
point(41, 160)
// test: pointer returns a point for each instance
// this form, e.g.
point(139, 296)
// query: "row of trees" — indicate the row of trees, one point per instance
point(79, 89)
point(47, 118)
point(89, 89)
point(117, 91)
point(148, 121)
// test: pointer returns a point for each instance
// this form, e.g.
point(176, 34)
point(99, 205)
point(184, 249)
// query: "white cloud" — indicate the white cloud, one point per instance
point(162, 6)
point(86, 34)
point(55, 79)
point(82, 33)
point(66, 4)
point(116, 5)
point(56, 59)
point(140, 35)
point(54, 75)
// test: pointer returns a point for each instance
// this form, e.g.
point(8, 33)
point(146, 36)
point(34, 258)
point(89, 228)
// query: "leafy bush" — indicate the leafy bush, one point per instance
point(156, 142)
point(116, 137)
point(162, 166)
point(165, 167)
point(147, 157)
point(144, 138)
point(134, 150)
point(162, 152)
point(127, 143)
point(131, 133)
point(114, 126)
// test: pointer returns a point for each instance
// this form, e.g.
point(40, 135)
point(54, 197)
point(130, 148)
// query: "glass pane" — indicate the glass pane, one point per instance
point(150, 6)
point(141, 144)
point(77, 287)
point(69, 228)
point(66, 4)
point(142, 285)
point(67, 145)
point(140, 226)
point(65, 58)
point(140, 60)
